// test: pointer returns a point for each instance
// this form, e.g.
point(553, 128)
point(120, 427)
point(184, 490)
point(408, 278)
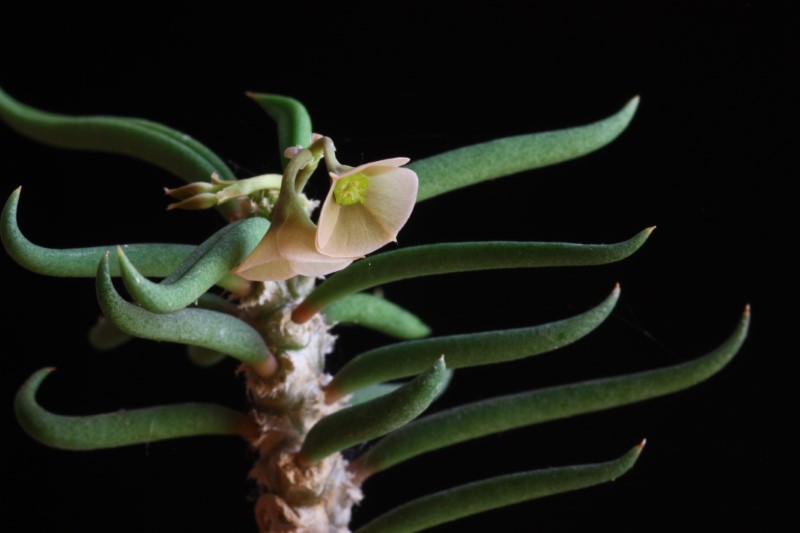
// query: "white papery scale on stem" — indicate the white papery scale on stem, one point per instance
point(295, 497)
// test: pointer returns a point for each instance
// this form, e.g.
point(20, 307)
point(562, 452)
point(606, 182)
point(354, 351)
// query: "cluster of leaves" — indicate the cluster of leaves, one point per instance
point(181, 309)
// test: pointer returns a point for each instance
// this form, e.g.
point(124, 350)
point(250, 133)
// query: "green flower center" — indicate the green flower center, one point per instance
point(352, 189)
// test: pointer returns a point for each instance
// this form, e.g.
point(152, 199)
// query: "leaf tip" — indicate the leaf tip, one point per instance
point(641, 445)
point(746, 313)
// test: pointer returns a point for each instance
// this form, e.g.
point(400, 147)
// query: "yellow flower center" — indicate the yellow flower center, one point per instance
point(352, 189)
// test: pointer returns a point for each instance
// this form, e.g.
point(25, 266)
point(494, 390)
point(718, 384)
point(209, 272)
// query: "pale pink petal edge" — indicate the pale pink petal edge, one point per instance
point(393, 162)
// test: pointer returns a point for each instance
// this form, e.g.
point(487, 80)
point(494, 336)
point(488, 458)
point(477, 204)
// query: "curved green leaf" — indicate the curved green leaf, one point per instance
point(291, 117)
point(408, 358)
point(481, 496)
point(105, 335)
point(224, 172)
point(377, 313)
point(214, 302)
point(154, 143)
point(123, 428)
point(206, 265)
point(433, 259)
point(369, 420)
point(494, 159)
point(153, 259)
point(199, 327)
point(203, 356)
point(377, 390)
point(517, 410)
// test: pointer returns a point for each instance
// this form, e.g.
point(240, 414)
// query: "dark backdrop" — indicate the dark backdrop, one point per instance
point(701, 160)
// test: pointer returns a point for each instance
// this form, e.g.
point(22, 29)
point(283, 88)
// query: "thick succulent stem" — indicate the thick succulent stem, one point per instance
point(295, 495)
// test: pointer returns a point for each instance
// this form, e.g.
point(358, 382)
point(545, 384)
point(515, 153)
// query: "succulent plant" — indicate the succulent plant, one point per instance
point(251, 292)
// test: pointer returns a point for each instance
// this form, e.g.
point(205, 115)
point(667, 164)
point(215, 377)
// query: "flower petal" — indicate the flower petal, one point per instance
point(277, 270)
point(393, 163)
point(358, 229)
point(328, 219)
point(295, 239)
point(318, 269)
point(264, 252)
point(391, 198)
point(265, 262)
point(356, 232)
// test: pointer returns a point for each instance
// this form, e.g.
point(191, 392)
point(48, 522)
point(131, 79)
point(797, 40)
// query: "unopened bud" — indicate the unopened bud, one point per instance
point(192, 189)
point(199, 201)
point(292, 151)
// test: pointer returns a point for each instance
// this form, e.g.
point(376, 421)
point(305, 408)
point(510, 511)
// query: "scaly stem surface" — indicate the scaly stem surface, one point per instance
point(295, 495)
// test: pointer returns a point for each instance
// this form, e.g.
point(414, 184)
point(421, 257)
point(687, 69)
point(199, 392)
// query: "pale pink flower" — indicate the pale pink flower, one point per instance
point(364, 210)
point(366, 207)
point(287, 249)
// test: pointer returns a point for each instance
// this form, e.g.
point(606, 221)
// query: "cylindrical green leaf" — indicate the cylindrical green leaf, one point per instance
point(373, 391)
point(122, 428)
point(224, 172)
point(200, 327)
point(525, 409)
point(157, 144)
point(473, 498)
point(153, 259)
point(433, 259)
point(501, 157)
point(377, 390)
point(372, 419)
point(105, 335)
point(215, 302)
point(409, 358)
point(291, 118)
point(377, 313)
point(203, 356)
point(206, 265)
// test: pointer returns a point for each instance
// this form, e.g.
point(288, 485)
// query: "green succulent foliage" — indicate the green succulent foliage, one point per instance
point(180, 309)
point(410, 358)
point(377, 390)
point(201, 270)
point(164, 147)
point(197, 327)
point(479, 419)
point(480, 496)
point(435, 259)
point(157, 260)
point(502, 157)
point(379, 314)
point(374, 418)
point(291, 118)
point(122, 428)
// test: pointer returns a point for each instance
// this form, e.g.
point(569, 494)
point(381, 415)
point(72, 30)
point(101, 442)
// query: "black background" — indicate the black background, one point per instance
point(702, 160)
